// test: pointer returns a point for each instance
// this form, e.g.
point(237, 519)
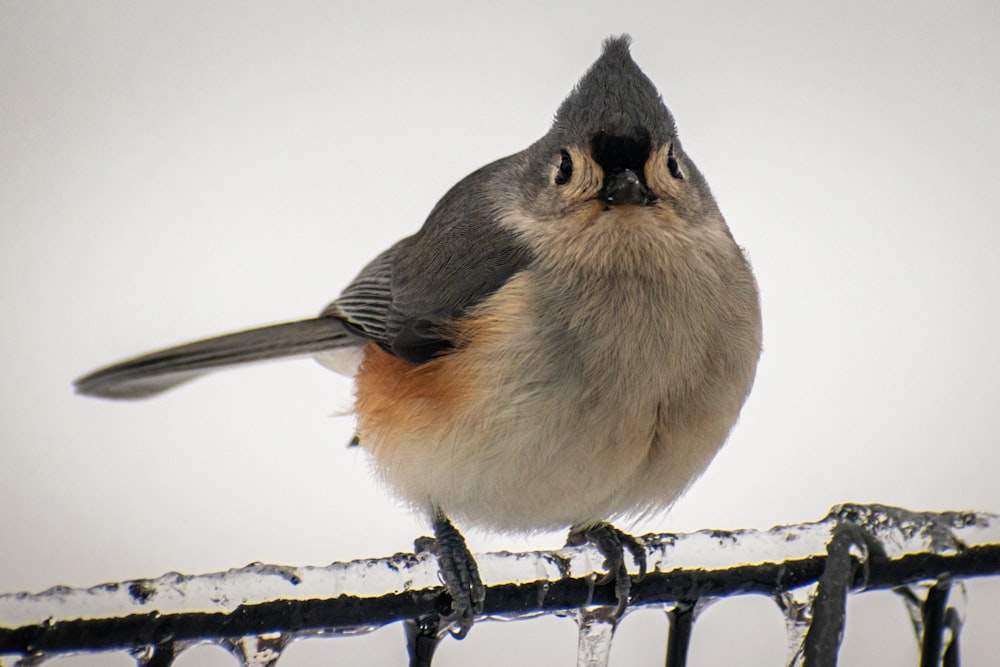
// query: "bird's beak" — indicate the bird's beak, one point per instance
point(623, 187)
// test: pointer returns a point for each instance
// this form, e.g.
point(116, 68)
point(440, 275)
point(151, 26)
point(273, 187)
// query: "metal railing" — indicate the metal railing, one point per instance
point(807, 569)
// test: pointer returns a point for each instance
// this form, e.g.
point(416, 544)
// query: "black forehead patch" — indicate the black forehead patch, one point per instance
point(615, 152)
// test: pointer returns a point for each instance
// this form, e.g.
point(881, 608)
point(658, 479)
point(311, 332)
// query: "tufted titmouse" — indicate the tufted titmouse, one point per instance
point(569, 338)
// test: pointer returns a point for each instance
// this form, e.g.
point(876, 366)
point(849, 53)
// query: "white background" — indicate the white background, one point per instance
point(175, 170)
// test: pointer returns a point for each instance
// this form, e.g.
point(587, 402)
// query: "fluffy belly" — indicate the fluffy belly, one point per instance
point(517, 431)
point(505, 456)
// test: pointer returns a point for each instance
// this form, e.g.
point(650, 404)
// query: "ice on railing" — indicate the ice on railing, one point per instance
point(684, 572)
point(175, 593)
point(900, 532)
point(895, 533)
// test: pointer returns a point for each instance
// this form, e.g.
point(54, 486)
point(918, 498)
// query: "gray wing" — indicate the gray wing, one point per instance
point(459, 257)
point(363, 305)
point(399, 301)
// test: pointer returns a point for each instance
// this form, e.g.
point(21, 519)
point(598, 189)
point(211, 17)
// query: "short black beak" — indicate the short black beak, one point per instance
point(623, 187)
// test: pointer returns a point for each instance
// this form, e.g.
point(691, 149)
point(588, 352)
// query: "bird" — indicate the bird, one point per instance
point(566, 342)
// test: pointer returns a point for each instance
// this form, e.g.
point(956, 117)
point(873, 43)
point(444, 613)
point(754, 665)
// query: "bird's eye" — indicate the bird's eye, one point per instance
point(673, 166)
point(565, 168)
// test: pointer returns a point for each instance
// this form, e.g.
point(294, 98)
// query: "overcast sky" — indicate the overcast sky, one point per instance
point(175, 170)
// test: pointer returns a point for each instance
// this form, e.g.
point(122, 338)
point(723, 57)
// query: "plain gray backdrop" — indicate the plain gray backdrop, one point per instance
point(175, 170)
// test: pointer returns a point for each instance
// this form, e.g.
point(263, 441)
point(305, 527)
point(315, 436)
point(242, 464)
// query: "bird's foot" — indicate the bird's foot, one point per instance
point(459, 573)
point(612, 544)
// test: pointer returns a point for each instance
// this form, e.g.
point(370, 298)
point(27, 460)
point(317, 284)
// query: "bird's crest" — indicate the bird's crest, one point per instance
point(614, 98)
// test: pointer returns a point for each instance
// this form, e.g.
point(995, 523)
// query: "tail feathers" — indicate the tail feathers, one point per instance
point(154, 373)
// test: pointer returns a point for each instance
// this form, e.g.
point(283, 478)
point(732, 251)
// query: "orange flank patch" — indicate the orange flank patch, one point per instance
point(394, 397)
point(398, 400)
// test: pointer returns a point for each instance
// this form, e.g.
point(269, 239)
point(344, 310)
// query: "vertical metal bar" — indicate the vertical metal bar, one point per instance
point(422, 637)
point(822, 641)
point(933, 621)
point(679, 637)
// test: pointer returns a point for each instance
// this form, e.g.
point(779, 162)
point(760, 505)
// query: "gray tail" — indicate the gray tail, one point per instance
point(151, 374)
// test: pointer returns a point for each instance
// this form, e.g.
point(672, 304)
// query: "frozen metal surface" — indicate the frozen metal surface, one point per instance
point(255, 611)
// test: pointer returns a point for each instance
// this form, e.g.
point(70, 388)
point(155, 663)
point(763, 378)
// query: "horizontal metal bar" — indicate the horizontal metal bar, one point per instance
point(903, 547)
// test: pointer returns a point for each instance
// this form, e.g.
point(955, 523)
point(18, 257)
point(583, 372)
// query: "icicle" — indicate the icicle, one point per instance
point(260, 651)
point(937, 612)
point(954, 620)
point(913, 597)
point(597, 629)
point(797, 607)
point(142, 654)
point(161, 655)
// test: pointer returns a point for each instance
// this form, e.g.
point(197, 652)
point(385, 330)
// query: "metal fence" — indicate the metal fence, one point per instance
point(808, 569)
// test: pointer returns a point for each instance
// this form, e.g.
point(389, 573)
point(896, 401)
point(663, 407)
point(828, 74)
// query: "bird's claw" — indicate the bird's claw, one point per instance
point(612, 543)
point(460, 575)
